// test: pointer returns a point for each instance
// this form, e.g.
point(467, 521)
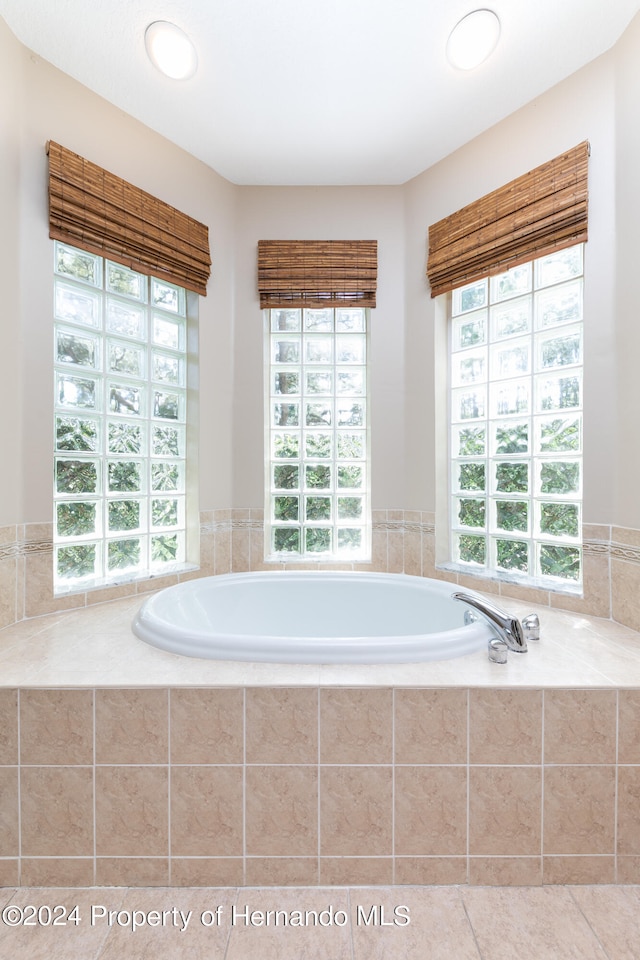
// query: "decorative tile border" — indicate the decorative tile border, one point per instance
point(622, 551)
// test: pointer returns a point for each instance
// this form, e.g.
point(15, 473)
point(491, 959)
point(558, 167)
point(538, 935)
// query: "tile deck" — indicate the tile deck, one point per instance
point(94, 646)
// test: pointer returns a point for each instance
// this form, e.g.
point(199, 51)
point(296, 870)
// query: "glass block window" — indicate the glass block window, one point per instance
point(516, 421)
point(317, 490)
point(120, 421)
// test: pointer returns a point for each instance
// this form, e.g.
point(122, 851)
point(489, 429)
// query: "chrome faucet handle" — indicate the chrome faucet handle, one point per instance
point(498, 650)
point(531, 627)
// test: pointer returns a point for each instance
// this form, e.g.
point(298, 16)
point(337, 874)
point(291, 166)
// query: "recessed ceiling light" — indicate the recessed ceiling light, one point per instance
point(170, 50)
point(473, 39)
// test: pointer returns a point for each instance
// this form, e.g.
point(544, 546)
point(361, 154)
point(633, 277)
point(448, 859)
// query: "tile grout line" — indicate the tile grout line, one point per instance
point(318, 775)
point(19, 758)
point(393, 785)
point(471, 927)
point(169, 782)
point(95, 800)
point(468, 771)
point(567, 887)
point(350, 915)
point(616, 791)
point(244, 787)
point(542, 773)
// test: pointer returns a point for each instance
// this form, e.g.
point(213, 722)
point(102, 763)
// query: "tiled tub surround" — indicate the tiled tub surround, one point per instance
point(126, 765)
point(403, 541)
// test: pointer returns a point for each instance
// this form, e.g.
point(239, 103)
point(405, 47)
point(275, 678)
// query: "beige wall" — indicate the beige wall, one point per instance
point(599, 103)
point(326, 213)
point(11, 56)
point(627, 251)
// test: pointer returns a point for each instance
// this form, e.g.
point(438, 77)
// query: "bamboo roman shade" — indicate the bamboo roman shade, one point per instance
point(317, 273)
point(95, 210)
point(542, 211)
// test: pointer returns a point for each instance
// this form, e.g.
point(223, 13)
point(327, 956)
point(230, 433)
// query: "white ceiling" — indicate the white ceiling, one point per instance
point(309, 92)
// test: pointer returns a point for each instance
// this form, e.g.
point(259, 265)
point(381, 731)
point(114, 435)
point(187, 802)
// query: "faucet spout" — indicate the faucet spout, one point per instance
point(507, 627)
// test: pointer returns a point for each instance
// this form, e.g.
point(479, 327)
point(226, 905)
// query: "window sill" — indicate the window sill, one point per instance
point(88, 586)
point(550, 584)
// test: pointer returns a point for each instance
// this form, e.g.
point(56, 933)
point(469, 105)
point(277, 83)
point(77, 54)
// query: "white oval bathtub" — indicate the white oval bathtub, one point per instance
point(311, 617)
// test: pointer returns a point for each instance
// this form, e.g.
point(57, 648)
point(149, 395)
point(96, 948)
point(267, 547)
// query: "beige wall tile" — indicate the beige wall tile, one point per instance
point(281, 871)
point(132, 726)
point(430, 870)
point(282, 725)
point(413, 553)
point(222, 552)
point(629, 726)
point(626, 535)
point(9, 817)
point(38, 587)
point(131, 811)
point(629, 810)
point(240, 550)
point(430, 726)
point(132, 871)
point(504, 811)
point(625, 592)
point(628, 869)
point(9, 872)
point(485, 584)
point(338, 871)
point(505, 871)
point(206, 811)
point(505, 726)
point(515, 591)
point(596, 575)
point(430, 810)
point(379, 552)
point(207, 725)
point(281, 805)
point(355, 811)
point(256, 550)
point(429, 560)
point(580, 726)
point(206, 558)
point(355, 725)
point(579, 809)
point(106, 594)
point(579, 869)
point(56, 726)
point(57, 872)
point(207, 872)
point(395, 551)
point(153, 584)
point(8, 591)
point(8, 726)
point(56, 806)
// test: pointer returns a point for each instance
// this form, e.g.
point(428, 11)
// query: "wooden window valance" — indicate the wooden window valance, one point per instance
point(542, 211)
point(97, 211)
point(317, 273)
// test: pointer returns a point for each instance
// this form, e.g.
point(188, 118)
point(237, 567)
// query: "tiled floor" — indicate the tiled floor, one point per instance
point(445, 923)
